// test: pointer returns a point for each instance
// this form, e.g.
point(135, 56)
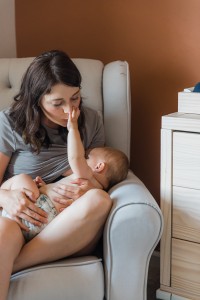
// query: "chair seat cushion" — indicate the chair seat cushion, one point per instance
point(76, 278)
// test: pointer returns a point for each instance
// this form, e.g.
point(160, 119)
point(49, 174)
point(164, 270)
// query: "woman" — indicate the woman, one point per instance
point(33, 140)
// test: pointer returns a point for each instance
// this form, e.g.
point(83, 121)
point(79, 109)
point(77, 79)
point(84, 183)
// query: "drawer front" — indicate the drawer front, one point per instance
point(186, 267)
point(186, 214)
point(186, 159)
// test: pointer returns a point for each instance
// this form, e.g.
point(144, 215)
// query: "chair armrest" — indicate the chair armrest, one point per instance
point(117, 105)
point(131, 233)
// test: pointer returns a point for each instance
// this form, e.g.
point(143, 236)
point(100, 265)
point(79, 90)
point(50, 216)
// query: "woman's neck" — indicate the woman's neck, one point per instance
point(45, 121)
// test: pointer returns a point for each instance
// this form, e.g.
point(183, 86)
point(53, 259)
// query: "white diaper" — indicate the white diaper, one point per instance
point(44, 203)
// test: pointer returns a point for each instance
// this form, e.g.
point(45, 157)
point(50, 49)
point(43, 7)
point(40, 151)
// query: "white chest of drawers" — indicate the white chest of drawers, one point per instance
point(180, 204)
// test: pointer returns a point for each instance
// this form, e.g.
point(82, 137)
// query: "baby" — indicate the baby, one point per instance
point(104, 167)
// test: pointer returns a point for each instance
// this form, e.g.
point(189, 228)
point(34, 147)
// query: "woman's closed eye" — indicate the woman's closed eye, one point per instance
point(60, 102)
point(57, 103)
point(75, 98)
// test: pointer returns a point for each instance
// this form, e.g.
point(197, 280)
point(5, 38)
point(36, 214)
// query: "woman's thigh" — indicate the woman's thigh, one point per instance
point(11, 237)
point(11, 242)
point(73, 230)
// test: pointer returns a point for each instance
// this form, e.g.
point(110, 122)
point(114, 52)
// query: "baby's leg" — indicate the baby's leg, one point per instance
point(11, 242)
point(22, 181)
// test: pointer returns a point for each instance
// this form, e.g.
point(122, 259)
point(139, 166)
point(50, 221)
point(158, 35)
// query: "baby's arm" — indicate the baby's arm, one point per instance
point(76, 152)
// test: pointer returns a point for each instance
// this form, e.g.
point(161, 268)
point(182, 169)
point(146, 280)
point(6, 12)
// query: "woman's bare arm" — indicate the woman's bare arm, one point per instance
point(4, 161)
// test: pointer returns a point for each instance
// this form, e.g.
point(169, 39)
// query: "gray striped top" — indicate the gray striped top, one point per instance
point(49, 163)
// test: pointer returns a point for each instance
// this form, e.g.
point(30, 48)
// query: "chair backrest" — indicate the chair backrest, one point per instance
point(104, 88)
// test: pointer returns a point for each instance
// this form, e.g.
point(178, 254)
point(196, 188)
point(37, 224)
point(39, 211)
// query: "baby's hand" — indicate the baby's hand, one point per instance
point(73, 118)
point(39, 182)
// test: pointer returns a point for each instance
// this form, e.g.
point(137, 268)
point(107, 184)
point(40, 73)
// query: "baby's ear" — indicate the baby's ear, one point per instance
point(100, 166)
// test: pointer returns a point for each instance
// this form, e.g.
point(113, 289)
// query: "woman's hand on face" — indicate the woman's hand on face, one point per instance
point(71, 192)
point(19, 204)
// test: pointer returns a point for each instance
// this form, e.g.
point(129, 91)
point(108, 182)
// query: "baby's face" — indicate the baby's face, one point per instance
point(93, 158)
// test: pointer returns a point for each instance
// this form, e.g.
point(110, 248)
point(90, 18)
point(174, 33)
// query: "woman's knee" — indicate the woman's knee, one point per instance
point(11, 240)
point(98, 202)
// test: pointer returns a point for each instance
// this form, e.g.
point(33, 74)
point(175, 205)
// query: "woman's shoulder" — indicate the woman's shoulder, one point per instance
point(89, 110)
point(4, 112)
point(91, 113)
point(94, 130)
point(7, 136)
point(5, 116)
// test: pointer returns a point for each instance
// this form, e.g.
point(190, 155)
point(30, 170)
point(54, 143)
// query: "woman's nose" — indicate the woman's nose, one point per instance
point(67, 108)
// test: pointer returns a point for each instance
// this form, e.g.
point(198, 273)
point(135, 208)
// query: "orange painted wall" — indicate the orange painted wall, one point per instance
point(159, 39)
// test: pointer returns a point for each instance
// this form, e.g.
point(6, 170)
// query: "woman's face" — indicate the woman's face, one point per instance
point(58, 103)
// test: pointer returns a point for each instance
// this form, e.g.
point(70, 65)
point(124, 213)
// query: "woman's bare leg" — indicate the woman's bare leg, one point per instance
point(11, 242)
point(72, 230)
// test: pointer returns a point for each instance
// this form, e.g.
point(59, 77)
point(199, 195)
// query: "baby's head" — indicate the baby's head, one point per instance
point(115, 164)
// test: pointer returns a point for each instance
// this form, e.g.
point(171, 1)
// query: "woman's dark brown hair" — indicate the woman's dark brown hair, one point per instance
point(46, 70)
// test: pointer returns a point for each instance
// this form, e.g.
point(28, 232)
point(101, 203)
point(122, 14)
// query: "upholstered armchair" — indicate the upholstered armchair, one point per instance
point(134, 225)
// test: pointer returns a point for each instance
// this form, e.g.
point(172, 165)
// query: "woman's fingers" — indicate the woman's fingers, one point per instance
point(65, 202)
point(34, 211)
point(27, 218)
point(29, 194)
point(35, 215)
point(84, 184)
point(74, 191)
point(68, 191)
point(27, 210)
point(31, 217)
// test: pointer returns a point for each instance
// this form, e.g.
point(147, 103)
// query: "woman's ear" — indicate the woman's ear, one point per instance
point(100, 166)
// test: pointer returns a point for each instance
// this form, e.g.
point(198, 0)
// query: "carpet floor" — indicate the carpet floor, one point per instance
point(154, 276)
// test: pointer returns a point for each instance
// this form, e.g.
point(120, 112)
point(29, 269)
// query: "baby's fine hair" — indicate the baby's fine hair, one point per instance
point(118, 165)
